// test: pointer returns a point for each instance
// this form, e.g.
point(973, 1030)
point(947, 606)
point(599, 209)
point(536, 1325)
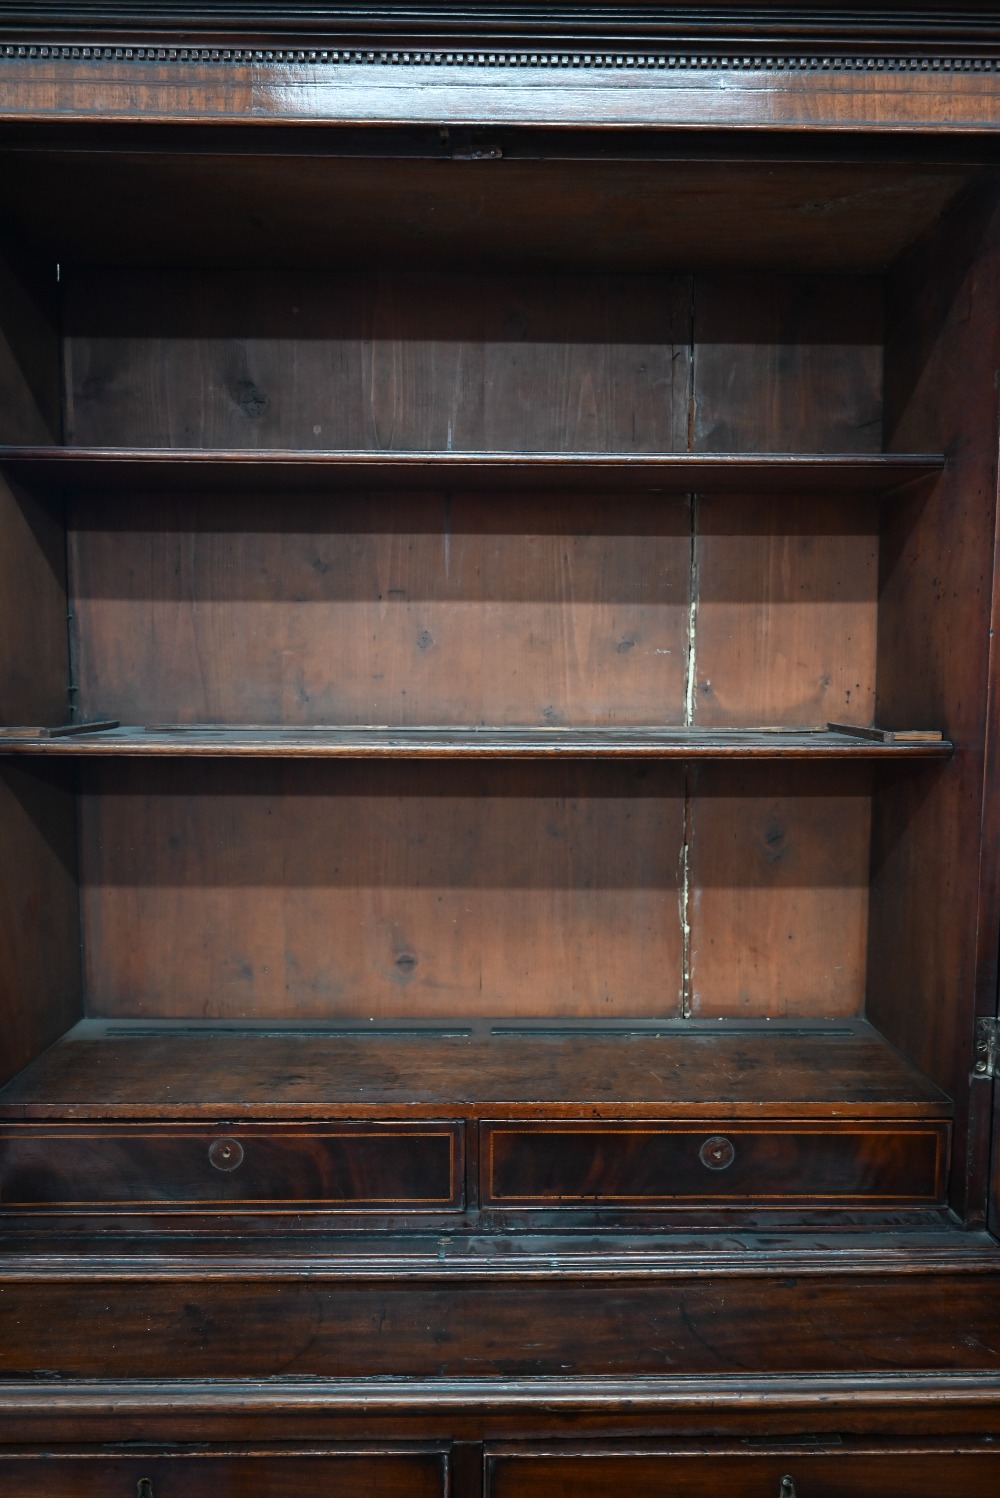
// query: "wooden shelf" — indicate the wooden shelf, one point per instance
point(364, 742)
point(110, 468)
point(134, 1069)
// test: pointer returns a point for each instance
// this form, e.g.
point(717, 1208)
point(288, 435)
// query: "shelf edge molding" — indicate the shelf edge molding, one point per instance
point(498, 743)
point(204, 469)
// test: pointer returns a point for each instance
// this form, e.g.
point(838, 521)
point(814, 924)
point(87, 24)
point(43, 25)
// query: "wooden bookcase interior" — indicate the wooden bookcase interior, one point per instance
point(485, 580)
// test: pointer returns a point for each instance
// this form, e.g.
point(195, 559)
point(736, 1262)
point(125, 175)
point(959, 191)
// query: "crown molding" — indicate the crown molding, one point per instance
point(555, 61)
point(735, 31)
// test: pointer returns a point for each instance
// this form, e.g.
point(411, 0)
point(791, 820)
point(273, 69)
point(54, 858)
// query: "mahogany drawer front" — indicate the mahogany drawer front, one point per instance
point(789, 1474)
point(349, 1474)
point(250, 1166)
point(650, 1164)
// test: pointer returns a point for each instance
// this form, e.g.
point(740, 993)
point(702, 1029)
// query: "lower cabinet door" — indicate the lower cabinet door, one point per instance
point(227, 1474)
point(910, 1472)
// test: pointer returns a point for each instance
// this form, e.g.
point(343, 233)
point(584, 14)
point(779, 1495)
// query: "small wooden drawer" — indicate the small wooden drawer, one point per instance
point(245, 1167)
point(658, 1164)
point(913, 1472)
point(290, 1474)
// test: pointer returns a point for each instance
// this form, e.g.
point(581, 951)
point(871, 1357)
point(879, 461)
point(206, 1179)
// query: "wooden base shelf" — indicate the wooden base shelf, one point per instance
point(365, 742)
point(137, 468)
point(125, 1118)
point(145, 1069)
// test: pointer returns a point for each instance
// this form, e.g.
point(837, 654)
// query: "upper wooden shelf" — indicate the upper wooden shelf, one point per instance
point(104, 468)
point(380, 742)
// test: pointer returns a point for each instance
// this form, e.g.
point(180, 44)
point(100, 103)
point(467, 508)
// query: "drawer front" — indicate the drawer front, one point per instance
point(309, 1475)
point(883, 1474)
point(571, 1165)
point(245, 1167)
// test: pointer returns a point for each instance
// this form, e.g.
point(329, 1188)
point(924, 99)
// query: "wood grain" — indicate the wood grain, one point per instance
point(281, 889)
point(756, 97)
point(39, 914)
point(897, 1473)
point(34, 638)
point(786, 617)
point(253, 1474)
point(149, 1070)
point(787, 364)
point(566, 1164)
point(40, 982)
point(94, 738)
point(29, 345)
point(557, 203)
point(935, 841)
point(234, 1326)
point(312, 1167)
point(137, 470)
point(784, 628)
point(778, 890)
point(391, 362)
point(356, 608)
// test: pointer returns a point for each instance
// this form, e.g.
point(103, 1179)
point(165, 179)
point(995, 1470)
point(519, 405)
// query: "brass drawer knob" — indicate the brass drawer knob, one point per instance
point(717, 1153)
point(225, 1154)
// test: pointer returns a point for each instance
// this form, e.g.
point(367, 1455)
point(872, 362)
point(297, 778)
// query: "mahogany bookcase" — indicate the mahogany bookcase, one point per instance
point(499, 879)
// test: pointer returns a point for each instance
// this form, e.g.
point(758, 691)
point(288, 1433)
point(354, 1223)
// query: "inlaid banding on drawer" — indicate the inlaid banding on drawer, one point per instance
point(656, 1164)
point(237, 1167)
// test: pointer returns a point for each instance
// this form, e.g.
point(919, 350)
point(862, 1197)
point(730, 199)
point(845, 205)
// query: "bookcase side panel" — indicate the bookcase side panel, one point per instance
point(932, 954)
point(39, 911)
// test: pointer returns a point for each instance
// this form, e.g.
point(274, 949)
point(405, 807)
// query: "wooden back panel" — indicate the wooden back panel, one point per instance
point(313, 889)
point(464, 608)
point(394, 362)
point(382, 608)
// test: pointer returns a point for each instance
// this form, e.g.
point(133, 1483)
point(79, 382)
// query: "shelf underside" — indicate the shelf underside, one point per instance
point(331, 199)
point(794, 474)
point(367, 742)
point(132, 1069)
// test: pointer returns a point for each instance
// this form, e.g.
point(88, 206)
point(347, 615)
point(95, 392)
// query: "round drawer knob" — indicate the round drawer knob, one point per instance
point(717, 1153)
point(225, 1154)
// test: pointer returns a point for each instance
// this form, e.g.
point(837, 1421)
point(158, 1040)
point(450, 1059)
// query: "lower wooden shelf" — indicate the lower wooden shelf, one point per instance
point(185, 1069)
point(123, 1117)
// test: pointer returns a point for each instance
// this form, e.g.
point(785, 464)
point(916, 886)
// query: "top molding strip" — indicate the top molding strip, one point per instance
point(555, 60)
point(826, 91)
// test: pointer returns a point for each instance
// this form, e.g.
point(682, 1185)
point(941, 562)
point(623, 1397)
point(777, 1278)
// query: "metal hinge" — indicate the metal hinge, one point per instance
point(987, 1057)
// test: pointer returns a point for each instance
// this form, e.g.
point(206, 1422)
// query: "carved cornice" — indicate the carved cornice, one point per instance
point(555, 61)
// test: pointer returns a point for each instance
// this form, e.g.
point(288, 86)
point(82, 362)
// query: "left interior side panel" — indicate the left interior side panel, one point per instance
point(40, 984)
